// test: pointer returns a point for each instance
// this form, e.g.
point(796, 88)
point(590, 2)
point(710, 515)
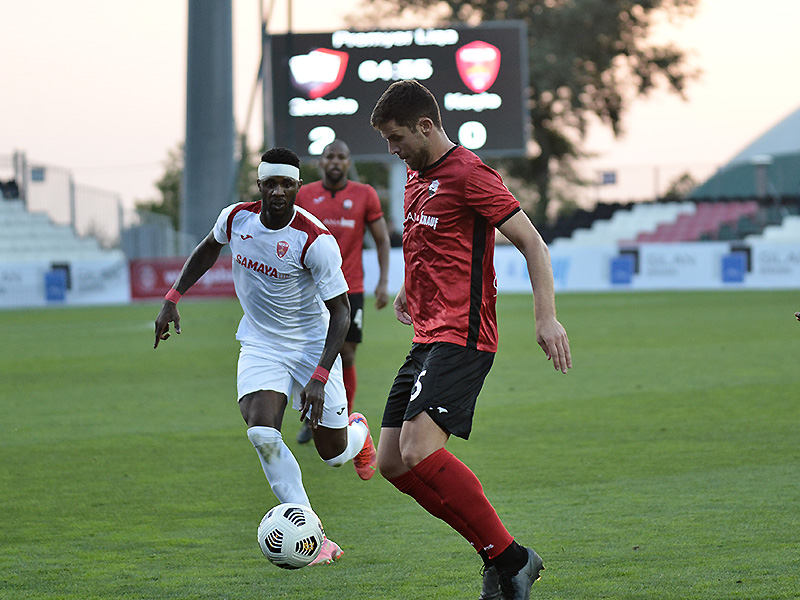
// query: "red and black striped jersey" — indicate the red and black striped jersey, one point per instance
point(451, 210)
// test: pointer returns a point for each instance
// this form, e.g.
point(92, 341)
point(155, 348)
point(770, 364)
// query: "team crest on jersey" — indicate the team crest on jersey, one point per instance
point(433, 187)
point(347, 204)
point(282, 249)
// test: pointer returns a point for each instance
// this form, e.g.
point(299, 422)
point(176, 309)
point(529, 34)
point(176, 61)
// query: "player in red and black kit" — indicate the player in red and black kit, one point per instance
point(452, 205)
point(348, 209)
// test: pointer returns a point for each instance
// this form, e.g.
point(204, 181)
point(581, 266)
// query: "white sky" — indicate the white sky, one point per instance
point(99, 87)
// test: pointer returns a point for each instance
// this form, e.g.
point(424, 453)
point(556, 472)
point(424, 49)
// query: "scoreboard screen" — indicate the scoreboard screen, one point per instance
point(325, 85)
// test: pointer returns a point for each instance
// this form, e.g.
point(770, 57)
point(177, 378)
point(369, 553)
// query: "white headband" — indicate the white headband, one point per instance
point(277, 169)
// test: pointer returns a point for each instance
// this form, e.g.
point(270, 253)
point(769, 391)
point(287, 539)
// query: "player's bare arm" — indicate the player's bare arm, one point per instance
point(312, 398)
point(380, 233)
point(200, 260)
point(401, 307)
point(550, 334)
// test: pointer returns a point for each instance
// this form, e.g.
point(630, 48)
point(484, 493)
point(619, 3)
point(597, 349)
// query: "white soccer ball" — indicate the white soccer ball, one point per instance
point(290, 535)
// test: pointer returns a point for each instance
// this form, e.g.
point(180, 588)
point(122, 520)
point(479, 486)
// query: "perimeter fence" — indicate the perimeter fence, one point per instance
point(52, 190)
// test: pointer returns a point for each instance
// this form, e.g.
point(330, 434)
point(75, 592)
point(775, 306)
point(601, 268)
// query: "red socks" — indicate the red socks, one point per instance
point(410, 484)
point(350, 385)
point(449, 490)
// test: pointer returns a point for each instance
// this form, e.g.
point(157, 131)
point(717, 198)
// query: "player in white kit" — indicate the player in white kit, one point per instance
point(288, 278)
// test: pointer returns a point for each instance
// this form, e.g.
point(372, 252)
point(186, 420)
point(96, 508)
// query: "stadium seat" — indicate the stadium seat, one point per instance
point(703, 224)
point(624, 225)
point(787, 231)
point(26, 236)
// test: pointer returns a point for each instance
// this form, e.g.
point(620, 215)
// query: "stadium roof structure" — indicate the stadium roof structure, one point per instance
point(769, 167)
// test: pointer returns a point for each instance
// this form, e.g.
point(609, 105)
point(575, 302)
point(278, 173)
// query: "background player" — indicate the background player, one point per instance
point(452, 205)
point(286, 269)
point(347, 208)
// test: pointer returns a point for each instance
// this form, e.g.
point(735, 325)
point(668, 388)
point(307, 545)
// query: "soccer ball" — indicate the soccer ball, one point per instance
point(290, 535)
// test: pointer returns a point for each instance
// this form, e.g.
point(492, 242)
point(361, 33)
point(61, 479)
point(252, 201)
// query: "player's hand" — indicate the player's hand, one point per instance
point(381, 296)
point(312, 401)
point(401, 307)
point(169, 314)
point(552, 337)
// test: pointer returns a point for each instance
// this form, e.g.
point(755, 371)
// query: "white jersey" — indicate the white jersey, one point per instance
point(281, 276)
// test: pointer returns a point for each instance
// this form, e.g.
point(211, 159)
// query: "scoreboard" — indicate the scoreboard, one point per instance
point(325, 85)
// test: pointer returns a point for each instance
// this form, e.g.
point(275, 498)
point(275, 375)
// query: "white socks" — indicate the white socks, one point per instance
point(279, 464)
point(281, 468)
point(356, 436)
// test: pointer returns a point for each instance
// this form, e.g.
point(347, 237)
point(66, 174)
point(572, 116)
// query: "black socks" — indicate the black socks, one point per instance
point(512, 559)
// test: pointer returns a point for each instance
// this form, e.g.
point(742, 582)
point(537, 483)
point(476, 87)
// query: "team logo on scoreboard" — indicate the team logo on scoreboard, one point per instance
point(319, 72)
point(282, 249)
point(478, 64)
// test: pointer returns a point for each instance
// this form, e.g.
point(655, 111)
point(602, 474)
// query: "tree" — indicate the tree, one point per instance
point(680, 187)
point(170, 187)
point(246, 186)
point(170, 182)
point(586, 57)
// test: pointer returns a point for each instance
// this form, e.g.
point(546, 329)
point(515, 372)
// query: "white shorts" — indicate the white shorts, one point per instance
point(263, 368)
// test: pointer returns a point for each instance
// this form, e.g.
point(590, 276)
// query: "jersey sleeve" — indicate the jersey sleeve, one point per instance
point(220, 229)
point(324, 260)
point(488, 195)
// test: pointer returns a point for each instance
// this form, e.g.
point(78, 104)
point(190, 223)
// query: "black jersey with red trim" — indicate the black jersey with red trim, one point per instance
point(451, 210)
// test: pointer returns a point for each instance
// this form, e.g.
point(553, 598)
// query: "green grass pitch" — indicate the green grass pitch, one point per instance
point(664, 465)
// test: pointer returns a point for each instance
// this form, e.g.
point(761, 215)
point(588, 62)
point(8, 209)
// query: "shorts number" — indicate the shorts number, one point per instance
point(417, 386)
point(358, 318)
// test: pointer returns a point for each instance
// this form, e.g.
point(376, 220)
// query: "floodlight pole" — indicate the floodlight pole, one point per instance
point(762, 163)
point(656, 182)
point(73, 217)
point(209, 173)
point(267, 108)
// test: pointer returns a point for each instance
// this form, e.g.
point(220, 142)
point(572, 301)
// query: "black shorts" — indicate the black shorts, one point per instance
point(356, 331)
point(442, 379)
